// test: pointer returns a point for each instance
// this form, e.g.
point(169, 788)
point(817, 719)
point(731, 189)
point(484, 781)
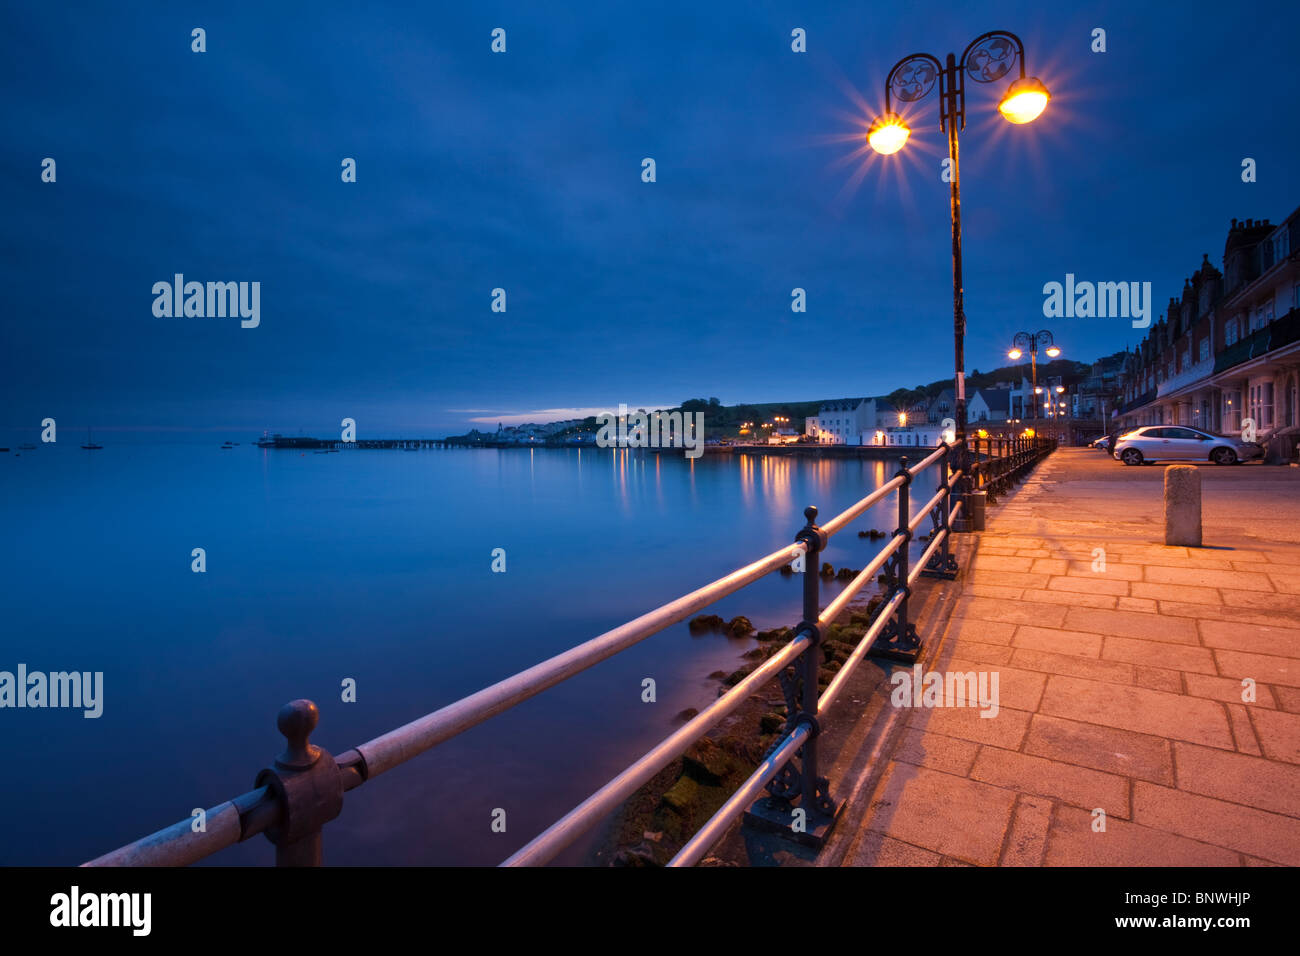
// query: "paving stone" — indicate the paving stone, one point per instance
point(1132, 624)
point(940, 812)
point(993, 591)
point(1264, 668)
point(1074, 598)
point(1072, 665)
point(1210, 612)
point(983, 632)
point(1278, 734)
point(983, 654)
point(1157, 678)
point(1176, 592)
point(1144, 605)
point(1156, 654)
point(1108, 749)
point(1227, 689)
point(1050, 566)
point(1242, 730)
point(1288, 698)
point(1270, 836)
point(1254, 638)
point(1005, 730)
point(994, 562)
point(1097, 584)
point(1027, 841)
point(1017, 688)
point(1208, 578)
point(1263, 784)
point(1115, 569)
point(1155, 712)
point(876, 849)
point(1072, 842)
point(987, 609)
point(1069, 783)
point(949, 754)
point(1055, 640)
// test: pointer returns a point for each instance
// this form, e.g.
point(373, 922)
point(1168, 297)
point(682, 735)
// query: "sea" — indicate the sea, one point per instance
point(371, 569)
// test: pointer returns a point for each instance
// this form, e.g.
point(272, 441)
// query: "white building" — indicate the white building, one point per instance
point(842, 422)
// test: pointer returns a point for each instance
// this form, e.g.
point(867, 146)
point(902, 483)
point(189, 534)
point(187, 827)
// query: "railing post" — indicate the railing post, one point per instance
point(812, 790)
point(306, 782)
point(898, 639)
point(814, 796)
point(942, 564)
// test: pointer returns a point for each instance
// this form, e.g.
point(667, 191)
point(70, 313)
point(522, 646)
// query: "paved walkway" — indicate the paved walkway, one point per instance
point(1121, 690)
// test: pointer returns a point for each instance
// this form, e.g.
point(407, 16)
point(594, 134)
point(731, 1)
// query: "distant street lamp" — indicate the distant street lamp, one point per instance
point(1031, 341)
point(987, 59)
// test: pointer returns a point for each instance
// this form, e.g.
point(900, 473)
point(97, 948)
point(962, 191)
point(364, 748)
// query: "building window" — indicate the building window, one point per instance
point(1261, 404)
point(1205, 348)
point(1230, 332)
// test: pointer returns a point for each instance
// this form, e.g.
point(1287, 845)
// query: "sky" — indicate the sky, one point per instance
point(522, 171)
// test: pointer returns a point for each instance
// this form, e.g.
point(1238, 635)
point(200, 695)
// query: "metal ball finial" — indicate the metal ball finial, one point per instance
point(811, 514)
point(296, 720)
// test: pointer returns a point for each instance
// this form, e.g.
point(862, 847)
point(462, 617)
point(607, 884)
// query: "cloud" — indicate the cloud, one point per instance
point(543, 415)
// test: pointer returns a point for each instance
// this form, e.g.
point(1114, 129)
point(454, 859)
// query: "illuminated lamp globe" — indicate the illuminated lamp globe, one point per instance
point(1025, 100)
point(1014, 354)
point(888, 134)
point(1053, 352)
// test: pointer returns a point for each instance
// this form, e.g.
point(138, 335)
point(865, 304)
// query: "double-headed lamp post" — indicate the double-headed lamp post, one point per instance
point(987, 59)
point(1029, 342)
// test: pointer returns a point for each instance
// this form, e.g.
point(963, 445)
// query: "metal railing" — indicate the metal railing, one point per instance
point(304, 787)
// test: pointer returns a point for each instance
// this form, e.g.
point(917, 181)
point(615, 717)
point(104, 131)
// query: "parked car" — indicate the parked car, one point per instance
point(1181, 443)
point(1103, 443)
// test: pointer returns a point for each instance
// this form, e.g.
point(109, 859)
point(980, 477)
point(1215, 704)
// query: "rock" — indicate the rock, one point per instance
point(739, 626)
point(717, 675)
point(736, 676)
point(757, 653)
point(705, 762)
point(652, 836)
point(770, 723)
point(683, 795)
point(848, 574)
point(687, 714)
point(705, 622)
point(828, 571)
point(639, 855)
point(787, 570)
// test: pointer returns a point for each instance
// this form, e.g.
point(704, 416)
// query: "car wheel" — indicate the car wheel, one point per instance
point(1223, 456)
point(1131, 456)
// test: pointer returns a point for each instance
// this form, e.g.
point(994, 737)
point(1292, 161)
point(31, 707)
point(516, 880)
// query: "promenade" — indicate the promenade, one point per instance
point(1125, 734)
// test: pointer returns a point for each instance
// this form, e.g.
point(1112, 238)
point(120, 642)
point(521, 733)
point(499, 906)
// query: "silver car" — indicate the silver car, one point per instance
point(1181, 443)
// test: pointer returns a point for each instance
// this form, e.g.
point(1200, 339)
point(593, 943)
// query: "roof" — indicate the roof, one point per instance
point(997, 399)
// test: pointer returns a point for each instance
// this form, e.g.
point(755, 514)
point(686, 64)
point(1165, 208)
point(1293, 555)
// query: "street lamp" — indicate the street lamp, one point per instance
point(1031, 341)
point(987, 59)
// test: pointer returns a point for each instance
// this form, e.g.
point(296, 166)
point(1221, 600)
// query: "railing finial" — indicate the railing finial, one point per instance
point(296, 720)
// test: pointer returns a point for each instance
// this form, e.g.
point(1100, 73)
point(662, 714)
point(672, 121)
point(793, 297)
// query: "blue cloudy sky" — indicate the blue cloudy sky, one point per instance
point(522, 171)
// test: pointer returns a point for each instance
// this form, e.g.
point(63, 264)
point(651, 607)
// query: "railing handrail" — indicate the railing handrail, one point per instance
point(260, 810)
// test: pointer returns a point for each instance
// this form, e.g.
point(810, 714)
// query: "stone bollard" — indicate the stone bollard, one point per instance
point(976, 501)
point(1183, 506)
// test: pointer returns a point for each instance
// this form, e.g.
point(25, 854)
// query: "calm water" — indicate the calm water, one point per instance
point(374, 565)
